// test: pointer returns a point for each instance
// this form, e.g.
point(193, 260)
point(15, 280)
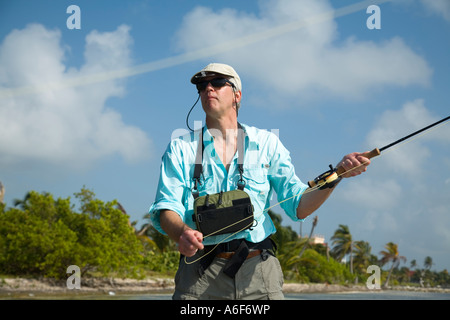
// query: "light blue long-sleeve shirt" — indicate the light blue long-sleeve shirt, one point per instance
point(267, 168)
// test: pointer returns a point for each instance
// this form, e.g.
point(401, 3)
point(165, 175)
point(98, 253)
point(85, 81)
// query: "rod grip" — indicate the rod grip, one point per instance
point(371, 154)
point(340, 170)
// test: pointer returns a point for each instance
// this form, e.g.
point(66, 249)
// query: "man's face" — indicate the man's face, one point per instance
point(218, 101)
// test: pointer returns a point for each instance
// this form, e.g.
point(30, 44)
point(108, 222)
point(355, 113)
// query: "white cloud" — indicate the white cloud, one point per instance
point(439, 7)
point(310, 59)
point(373, 194)
point(411, 158)
point(66, 124)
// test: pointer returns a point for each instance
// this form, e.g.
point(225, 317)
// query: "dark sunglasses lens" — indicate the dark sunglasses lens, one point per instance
point(216, 83)
point(219, 82)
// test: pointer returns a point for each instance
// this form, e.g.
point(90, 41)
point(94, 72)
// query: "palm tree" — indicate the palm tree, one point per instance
point(391, 254)
point(342, 244)
point(428, 263)
point(23, 204)
point(2, 192)
point(301, 228)
point(412, 264)
point(314, 224)
point(362, 256)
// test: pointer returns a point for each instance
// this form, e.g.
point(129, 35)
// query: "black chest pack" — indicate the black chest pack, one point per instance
point(224, 212)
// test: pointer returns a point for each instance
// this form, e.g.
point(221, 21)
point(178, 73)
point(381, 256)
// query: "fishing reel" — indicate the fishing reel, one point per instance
point(328, 179)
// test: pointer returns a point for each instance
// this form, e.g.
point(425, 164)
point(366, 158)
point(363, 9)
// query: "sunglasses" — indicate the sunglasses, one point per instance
point(216, 83)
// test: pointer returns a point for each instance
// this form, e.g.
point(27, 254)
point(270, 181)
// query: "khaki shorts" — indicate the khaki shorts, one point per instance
point(257, 279)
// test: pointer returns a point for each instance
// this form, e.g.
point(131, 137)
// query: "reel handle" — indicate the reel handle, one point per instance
point(340, 170)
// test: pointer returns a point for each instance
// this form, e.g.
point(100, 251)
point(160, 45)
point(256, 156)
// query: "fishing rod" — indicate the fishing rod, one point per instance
point(326, 180)
point(329, 178)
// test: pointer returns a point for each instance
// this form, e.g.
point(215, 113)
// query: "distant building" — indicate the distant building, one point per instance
point(318, 239)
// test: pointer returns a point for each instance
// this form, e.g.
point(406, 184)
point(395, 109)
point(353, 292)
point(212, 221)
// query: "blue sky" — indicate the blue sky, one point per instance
point(97, 106)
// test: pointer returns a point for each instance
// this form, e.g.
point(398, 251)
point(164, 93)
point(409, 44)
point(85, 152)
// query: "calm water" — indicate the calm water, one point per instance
point(381, 295)
point(375, 295)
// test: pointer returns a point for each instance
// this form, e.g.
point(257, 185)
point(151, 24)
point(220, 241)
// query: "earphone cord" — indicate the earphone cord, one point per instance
point(187, 117)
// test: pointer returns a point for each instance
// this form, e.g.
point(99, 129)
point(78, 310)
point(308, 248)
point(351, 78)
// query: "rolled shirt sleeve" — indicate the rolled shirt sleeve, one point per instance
point(288, 187)
point(172, 187)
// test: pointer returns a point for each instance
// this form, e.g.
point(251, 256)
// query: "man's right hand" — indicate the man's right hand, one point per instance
point(190, 241)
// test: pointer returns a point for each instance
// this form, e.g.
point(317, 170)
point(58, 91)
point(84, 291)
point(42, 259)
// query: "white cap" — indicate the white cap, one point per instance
point(220, 69)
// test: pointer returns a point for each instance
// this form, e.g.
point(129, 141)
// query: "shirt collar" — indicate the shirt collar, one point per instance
point(208, 137)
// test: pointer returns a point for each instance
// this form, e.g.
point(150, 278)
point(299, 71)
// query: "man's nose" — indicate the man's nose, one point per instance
point(209, 86)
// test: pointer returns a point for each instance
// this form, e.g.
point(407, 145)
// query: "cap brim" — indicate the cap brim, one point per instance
point(200, 75)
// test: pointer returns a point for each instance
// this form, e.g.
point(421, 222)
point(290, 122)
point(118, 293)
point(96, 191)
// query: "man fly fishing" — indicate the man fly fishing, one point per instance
point(213, 196)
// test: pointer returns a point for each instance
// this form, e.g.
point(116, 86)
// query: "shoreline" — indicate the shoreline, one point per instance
point(336, 288)
point(109, 286)
point(23, 287)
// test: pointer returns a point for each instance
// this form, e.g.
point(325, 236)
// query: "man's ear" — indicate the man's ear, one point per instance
point(237, 97)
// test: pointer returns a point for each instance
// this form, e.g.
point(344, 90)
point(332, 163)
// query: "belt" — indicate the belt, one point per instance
point(229, 255)
point(236, 252)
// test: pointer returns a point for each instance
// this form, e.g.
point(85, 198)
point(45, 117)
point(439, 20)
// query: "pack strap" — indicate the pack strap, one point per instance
point(198, 169)
point(198, 165)
point(236, 261)
point(241, 143)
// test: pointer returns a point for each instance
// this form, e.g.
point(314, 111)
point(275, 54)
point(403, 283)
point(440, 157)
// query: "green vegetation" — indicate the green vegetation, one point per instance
point(41, 237)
